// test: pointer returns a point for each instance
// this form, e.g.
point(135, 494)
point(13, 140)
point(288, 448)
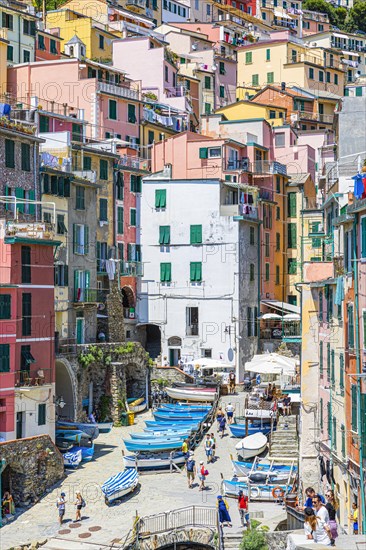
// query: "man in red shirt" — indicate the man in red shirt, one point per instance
point(243, 509)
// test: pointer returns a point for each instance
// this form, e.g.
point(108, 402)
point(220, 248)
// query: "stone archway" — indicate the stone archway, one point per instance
point(128, 297)
point(66, 387)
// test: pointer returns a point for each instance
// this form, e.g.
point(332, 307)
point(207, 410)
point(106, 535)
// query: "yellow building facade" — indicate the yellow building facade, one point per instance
point(278, 61)
point(3, 66)
point(246, 110)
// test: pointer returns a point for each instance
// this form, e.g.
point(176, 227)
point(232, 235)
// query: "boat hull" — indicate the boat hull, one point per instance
point(257, 492)
point(157, 436)
point(105, 427)
point(91, 429)
point(87, 453)
point(251, 453)
point(171, 417)
point(251, 446)
point(120, 485)
point(238, 430)
point(191, 394)
point(136, 445)
point(172, 425)
point(244, 468)
point(153, 461)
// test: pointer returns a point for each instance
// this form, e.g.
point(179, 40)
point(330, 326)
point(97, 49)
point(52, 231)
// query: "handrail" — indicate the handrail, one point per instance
point(194, 516)
point(220, 531)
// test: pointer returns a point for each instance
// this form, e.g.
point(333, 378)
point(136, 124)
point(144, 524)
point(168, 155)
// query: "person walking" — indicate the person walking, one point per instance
point(219, 415)
point(316, 529)
point(230, 413)
point(243, 509)
point(232, 382)
point(79, 503)
point(213, 446)
point(222, 426)
point(202, 476)
point(223, 508)
point(354, 518)
point(191, 470)
point(61, 505)
point(185, 448)
point(332, 507)
point(208, 448)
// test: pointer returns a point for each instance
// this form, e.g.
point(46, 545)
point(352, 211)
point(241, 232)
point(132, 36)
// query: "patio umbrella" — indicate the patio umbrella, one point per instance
point(275, 359)
point(268, 316)
point(269, 367)
point(291, 317)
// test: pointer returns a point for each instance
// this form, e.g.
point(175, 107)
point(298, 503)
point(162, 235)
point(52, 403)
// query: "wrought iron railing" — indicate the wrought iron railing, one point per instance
point(194, 516)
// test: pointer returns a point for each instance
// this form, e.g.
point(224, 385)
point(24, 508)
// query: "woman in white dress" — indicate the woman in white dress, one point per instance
point(316, 529)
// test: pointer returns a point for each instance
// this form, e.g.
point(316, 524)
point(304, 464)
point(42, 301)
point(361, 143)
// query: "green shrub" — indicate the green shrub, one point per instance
point(253, 540)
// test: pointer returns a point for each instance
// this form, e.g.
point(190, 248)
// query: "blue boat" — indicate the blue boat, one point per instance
point(156, 436)
point(184, 410)
point(120, 485)
point(91, 429)
point(172, 425)
point(87, 453)
point(171, 417)
point(167, 431)
point(245, 468)
point(105, 427)
point(72, 435)
point(167, 444)
point(238, 430)
point(257, 492)
point(72, 458)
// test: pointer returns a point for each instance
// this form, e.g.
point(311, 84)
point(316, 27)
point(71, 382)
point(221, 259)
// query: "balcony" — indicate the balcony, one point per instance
point(289, 331)
point(317, 117)
point(132, 269)
point(33, 378)
point(313, 59)
point(139, 4)
point(129, 313)
point(266, 167)
point(137, 163)
point(89, 175)
point(114, 89)
point(240, 211)
point(237, 164)
point(25, 230)
point(88, 295)
point(174, 122)
point(287, 24)
point(348, 47)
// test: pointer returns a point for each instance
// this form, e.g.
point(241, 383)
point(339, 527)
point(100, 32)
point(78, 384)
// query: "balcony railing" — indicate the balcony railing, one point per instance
point(279, 23)
point(315, 60)
point(43, 231)
point(175, 123)
point(290, 329)
point(120, 91)
point(88, 295)
point(137, 163)
point(264, 167)
point(348, 47)
point(132, 269)
point(33, 378)
point(237, 164)
point(89, 175)
point(136, 3)
point(316, 116)
point(239, 210)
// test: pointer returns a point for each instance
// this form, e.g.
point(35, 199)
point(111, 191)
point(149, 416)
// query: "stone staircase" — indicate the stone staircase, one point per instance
point(284, 443)
point(232, 540)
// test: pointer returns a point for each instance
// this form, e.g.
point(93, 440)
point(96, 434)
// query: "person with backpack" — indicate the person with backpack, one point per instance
point(223, 508)
point(220, 413)
point(79, 503)
point(243, 509)
point(202, 476)
point(61, 506)
point(208, 448)
point(191, 470)
point(222, 426)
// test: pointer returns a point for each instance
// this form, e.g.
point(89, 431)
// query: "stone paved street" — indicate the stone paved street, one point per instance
point(158, 492)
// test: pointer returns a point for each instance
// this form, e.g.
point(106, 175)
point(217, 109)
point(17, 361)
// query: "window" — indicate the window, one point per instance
point(320, 27)
point(268, 55)
point(135, 183)
point(160, 198)
point(131, 113)
point(26, 264)
point(103, 210)
point(42, 414)
point(251, 235)
point(25, 156)
point(332, 366)
point(4, 358)
point(10, 53)
point(207, 82)
point(101, 42)
point(119, 186)
point(321, 415)
point(26, 358)
point(329, 420)
point(248, 58)
point(255, 79)
point(358, 91)
point(81, 239)
point(196, 234)
point(195, 272)
point(336, 79)
point(292, 266)
point(214, 152)
point(112, 109)
point(26, 314)
point(280, 139)
point(103, 169)
point(270, 78)
point(165, 272)
point(80, 197)
point(222, 91)
point(120, 220)
point(278, 184)
point(102, 256)
point(166, 74)
point(192, 321)
point(327, 74)
point(351, 334)
point(321, 76)
point(329, 295)
point(61, 228)
point(7, 21)
point(133, 220)
point(53, 46)
point(207, 108)
point(87, 163)
point(291, 205)
point(278, 213)
point(328, 360)
point(5, 306)
point(134, 252)
point(266, 246)
point(266, 269)
point(278, 242)
point(26, 56)
point(311, 73)
point(9, 153)
point(277, 274)
point(44, 123)
point(252, 325)
point(341, 373)
point(334, 433)
point(41, 44)
point(222, 67)
point(61, 275)
point(321, 360)
point(320, 306)
point(150, 137)
point(164, 234)
point(354, 418)
point(272, 114)
point(291, 235)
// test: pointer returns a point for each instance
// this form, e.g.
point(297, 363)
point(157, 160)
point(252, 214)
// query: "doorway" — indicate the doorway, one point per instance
point(174, 356)
point(20, 425)
point(80, 330)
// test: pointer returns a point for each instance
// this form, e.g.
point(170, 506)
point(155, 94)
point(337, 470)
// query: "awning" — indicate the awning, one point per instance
point(351, 53)
point(282, 14)
point(28, 357)
point(337, 35)
point(281, 306)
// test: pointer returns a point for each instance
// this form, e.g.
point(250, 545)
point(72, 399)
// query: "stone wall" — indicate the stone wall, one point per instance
point(32, 465)
point(171, 374)
point(203, 536)
point(277, 540)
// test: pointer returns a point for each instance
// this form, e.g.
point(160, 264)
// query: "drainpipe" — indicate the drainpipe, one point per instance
point(358, 365)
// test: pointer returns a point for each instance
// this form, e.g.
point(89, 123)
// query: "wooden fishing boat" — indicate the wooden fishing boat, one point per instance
point(192, 394)
point(136, 405)
point(120, 485)
point(91, 429)
point(270, 491)
point(154, 461)
point(87, 453)
point(159, 435)
point(166, 444)
point(157, 425)
point(168, 416)
point(251, 446)
point(239, 430)
point(105, 427)
point(245, 468)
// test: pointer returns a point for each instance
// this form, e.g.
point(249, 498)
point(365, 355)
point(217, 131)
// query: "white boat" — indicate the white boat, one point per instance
point(258, 413)
point(120, 485)
point(251, 446)
point(137, 405)
point(271, 492)
point(153, 461)
point(198, 395)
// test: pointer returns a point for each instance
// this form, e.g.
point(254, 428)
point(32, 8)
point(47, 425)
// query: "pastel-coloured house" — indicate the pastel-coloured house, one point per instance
point(48, 45)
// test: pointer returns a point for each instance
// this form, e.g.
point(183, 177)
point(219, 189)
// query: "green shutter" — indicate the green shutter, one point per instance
point(103, 210)
point(19, 193)
point(267, 271)
point(292, 235)
point(103, 169)
point(270, 78)
point(321, 359)
point(87, 279)
point(165, 272)
point(112, 109)
point(25, 157)
point(5, 306)
point(351, 332)
point(133, 217)
point(44, 124)
point(291, 205)
point(341, 373)
point(164, 234)
point(292, 266)
point(86, 239)
point(332, 367)
point(203, 153)
point(98, 256)
point(120, 220)
point(329, 420)
point(160, 198)
point(363, 237)
point(354, 408)
point(9, 153)
point(31, 207)
point(42, 414)
point(4, 357)
point(87, 163)
point(268, 54)
point(196, 271)
point(131, 114)
point(321, 416)
point(334, 434)
point(196, 234)
point(207, 82)
point(248, 57)
point(255, 79)
point(328, 360)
